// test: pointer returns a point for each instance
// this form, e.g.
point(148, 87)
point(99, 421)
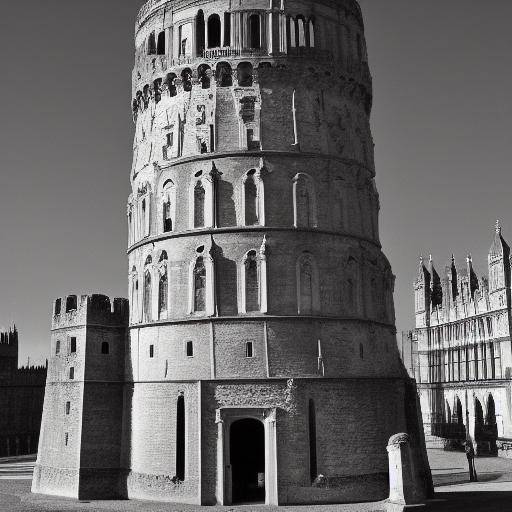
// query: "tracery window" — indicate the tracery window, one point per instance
point(163, 286)
point(252, 288)
point(152, 44)
point(308, 299)
point(199, 285)
point(253, 199)
point(147, 289)
point(199, 204)
point(304, 201)
point(168, 206)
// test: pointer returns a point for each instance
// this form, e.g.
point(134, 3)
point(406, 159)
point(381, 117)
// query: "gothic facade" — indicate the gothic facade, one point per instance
point(464, 352)
point(259, 361)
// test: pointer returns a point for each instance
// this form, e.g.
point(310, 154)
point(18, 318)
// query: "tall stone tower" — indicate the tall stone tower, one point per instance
point(261, 302)
point(261, 361)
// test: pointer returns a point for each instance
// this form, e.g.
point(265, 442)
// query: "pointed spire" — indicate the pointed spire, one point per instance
point(499, 248)
point(453, 279)
point(436, 289)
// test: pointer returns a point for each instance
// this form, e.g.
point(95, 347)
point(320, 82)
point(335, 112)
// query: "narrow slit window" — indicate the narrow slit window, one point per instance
point(249, 349)
point(151, 350)
point(66, 438)
point(71, 373)
point(180, 439)
point(72, 345)
point(68, 407)
point(189, 348)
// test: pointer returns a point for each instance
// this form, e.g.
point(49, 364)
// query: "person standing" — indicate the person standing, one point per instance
point(470, 454)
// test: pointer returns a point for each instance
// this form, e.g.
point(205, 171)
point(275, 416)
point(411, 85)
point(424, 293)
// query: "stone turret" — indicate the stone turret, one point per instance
point(80, 442)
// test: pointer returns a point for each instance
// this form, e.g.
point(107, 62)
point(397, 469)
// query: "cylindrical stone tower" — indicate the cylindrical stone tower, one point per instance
point(262, 363)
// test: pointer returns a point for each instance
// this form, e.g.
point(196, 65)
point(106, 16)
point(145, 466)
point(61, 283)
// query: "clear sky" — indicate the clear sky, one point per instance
point(441, 122)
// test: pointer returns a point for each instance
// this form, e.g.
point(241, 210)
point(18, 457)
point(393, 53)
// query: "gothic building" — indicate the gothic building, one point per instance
point(464, 352)
point(21, 399)
point(256, 360)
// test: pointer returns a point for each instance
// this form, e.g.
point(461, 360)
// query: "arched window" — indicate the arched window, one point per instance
point(244, 72)
point(311, 30)
point(255, 31)
point(214, 31)
point(134, 299)
point(168, 201)
point(224, 74)
point(252, 288)
point(301, 31)
point(170, 82)
point(186, 77)
point(227, 29)
point(57, 347)
point(202, 73)
point(152, 44)
point(292, 33)
point(163, 286)
point(199, 286)
point(313, 470)
point(180, 438)
point(304, 199)
point(147, 289)
point(308, 299)
point(160, 49)
point(251, 200)
point(199, 204)
point(200, 25)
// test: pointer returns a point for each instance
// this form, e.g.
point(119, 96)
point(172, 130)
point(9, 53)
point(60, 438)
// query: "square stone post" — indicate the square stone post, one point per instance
point(405, 486)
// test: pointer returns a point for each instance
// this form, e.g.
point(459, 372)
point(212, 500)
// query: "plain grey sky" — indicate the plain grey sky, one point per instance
point(441, 122)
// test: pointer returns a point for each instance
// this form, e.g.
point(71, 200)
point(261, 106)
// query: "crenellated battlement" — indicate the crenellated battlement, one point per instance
point(79, 310)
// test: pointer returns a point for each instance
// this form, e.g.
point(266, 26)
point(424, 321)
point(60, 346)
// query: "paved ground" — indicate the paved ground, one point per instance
point(454, 493)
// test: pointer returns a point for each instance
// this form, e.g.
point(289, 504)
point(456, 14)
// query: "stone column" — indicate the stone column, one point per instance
point(405, 485)
point(220, 460)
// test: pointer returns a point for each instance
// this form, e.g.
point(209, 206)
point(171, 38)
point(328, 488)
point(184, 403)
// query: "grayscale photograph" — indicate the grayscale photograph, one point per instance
point(255, 256)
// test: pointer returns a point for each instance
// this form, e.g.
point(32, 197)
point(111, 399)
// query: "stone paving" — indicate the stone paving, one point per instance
point(454, 493)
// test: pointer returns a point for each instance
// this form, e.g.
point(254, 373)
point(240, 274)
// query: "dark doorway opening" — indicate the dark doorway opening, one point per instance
point(200, 42)
point(247, 449)
point(180, 439)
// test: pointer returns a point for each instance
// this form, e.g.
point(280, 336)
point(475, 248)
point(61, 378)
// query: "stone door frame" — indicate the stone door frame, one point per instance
point(225, 417)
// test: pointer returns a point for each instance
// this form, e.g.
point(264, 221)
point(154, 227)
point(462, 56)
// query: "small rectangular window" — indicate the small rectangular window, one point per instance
point(72, 345)
point(68, 407)
point(105, 348)
point(58, 306)
point(249, 350)
point(66, 438)
point(71, 373)
point(151, 350)
point(189, 349)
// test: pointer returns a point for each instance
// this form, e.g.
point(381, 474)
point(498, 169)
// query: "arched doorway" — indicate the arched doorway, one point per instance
point(491, 427)
point(479, 427)
point(247, 459)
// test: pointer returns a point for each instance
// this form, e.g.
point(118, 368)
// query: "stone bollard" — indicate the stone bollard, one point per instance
point(404, 485)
